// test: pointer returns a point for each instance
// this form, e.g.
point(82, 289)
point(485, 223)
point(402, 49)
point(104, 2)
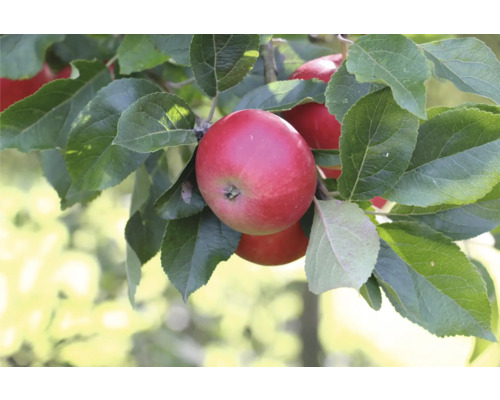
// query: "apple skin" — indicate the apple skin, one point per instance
point(255, 172)
point(16, 90)
point(320, 129)
point(278, 248)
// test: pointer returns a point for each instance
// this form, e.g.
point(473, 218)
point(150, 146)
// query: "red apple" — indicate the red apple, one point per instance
point(320, 129)
point(255, 172)
point(278, 248)
point(378, 202)
point(15, 90)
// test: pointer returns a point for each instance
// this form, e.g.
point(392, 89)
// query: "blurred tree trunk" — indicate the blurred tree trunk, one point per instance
point(312, 353)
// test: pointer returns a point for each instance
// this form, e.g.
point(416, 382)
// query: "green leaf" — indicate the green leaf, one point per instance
point(496, 235)
point(94, 162)
point(431, 282)
point(458, 222)
point(468, 63)
point(137, 53)
point(193, 247)
point(395, 61)
point(134, 273)
point(283, 95)
point(23, 55)
point(485, 274)
point(343, 91)
point(44, 119)
point(86, 47)
point(264, 39)
point(342, 249)
point(378, 138)
point(176, 47)
point(455, 160)
point(326, 157)
point(156, 121)
point(182, 199)
point(56, 172)
point(220, 62)
point(371, 293)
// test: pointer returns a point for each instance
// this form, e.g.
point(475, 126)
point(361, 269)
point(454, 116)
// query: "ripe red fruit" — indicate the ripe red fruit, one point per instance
point(320, 129)
point(276, 249)
point(378, 201)
point(255, 172)
point(15, 90)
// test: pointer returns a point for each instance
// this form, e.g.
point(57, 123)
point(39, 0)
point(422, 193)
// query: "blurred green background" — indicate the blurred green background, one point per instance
point(64, 302)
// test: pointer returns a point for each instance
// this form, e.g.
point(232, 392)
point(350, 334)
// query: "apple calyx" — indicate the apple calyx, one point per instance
point(231, 192)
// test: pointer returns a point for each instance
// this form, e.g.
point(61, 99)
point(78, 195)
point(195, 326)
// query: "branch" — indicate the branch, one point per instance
point(270, 69)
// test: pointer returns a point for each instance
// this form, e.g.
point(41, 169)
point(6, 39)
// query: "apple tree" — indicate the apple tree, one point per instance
point(142, 105)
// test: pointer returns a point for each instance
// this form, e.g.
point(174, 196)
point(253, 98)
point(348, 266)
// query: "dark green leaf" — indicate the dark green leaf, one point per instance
point(431, 282)
point(455, 160)
point(156, 121)
point(371, 293)
point(220, 62)
point(458, 222)
point(342, 249)
point(86, 47)
point(326, 157)
point(468, 63)
point(376, 144)
point(192, 248)
point(94, 162)
point(56, 172)
point(283, 95)
point(174, 46)
point(395, 61)
point(137, 53)
point(44, 119)
point(133, 267)
point(343, 91)
point(183, 198)
point(23, 55)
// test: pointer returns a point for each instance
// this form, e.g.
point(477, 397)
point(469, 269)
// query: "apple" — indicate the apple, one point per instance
point(255, 172)
point(278, 248)
point(320, 129)
point(15, 90)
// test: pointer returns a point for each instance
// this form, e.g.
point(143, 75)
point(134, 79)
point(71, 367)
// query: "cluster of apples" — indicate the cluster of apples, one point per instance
point(257, 173)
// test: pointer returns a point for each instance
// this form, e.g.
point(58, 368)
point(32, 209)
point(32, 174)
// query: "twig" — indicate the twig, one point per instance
point(112, 60)
point(344, 45)
point(178, 85)
point(270, 69)
point(212, 109)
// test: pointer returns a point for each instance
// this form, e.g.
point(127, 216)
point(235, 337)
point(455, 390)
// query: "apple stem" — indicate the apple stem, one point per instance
point(112, 60)
point(212, 109)
point(344, 44)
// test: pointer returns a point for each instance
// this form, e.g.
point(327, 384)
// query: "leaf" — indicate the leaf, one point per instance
point(343, 91)
point(342, 249)
point(458, 222)
point(371, 293)
point(283, 95)
point(156, 121)
point(378, 138)
point(86, 47)
point(176, 47)
point(496, 235)
point(56, 172)
point(222, 61)
point(23, 55)
point(430, 281)
point(182, 199)
point(137, 53)
point(395, 61)
point(326, 157)
point(264, 39)
point(192, 248)
point(468, 63)
point(134, 273)
point(43, 120)
point(93, 161)
point(455, 160)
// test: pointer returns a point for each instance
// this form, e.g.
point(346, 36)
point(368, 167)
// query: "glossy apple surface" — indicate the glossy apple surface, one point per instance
point(255, 172)
point(276, 249)
point(12, 91)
